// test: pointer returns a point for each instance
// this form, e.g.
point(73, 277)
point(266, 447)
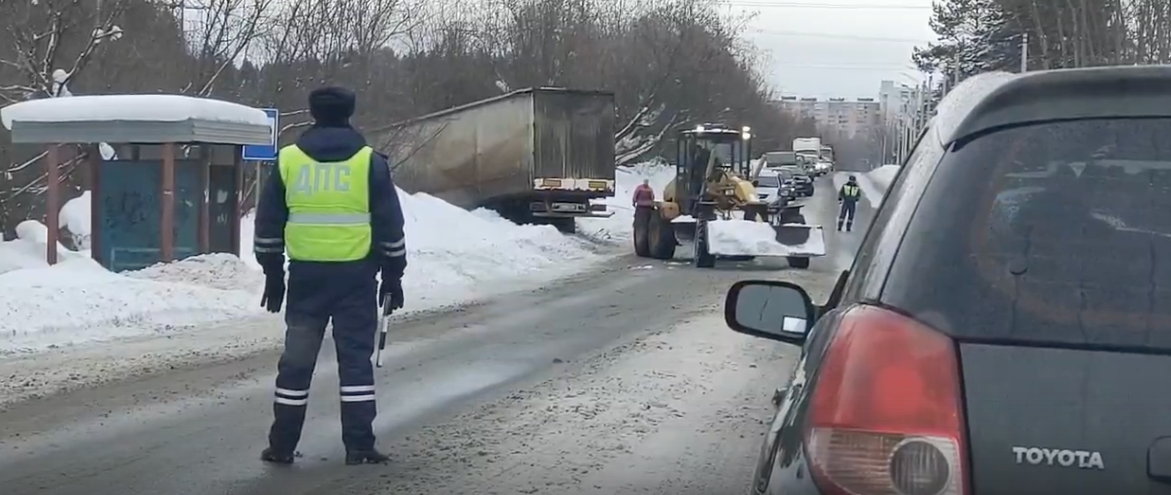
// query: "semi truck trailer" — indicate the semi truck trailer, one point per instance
point(536, 156)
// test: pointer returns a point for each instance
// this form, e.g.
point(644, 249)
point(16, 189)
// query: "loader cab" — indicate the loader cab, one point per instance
point(714, 144)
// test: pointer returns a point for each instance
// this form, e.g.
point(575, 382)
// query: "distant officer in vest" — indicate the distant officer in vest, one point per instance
point(848, 197)
point(334, 209)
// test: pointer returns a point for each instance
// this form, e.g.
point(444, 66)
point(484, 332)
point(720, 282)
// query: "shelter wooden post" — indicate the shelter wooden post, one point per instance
point(204, 233)
point(53, 203)
point(167, 229)
point(238, 166)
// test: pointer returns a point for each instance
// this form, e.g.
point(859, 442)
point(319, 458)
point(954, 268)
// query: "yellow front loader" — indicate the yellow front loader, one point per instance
point(713, 198)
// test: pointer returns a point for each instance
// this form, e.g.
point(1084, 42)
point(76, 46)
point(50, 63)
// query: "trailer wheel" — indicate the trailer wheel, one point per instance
point(641, 234)
point(796, 262)
point(703, 258)
point(661, 237)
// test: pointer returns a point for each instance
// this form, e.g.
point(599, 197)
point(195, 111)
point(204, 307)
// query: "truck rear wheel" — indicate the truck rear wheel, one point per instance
point(641, 233)
point(566, 226)
point(661, 237)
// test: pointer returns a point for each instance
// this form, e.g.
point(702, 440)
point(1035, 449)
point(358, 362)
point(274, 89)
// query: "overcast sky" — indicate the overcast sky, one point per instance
point(837, 48)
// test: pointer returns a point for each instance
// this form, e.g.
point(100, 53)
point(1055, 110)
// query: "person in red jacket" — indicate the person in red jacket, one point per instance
point(643, 195)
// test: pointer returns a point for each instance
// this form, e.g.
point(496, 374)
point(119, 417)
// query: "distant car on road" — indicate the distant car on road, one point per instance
point(770, 188)
point(802, 182)
point(1006, 326)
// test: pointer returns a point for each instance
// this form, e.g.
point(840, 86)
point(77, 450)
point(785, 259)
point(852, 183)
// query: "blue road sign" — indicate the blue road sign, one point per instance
point(265, 153)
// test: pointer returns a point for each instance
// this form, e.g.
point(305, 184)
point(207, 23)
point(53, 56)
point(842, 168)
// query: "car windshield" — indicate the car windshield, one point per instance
point(1070, 241)
point(768, 181)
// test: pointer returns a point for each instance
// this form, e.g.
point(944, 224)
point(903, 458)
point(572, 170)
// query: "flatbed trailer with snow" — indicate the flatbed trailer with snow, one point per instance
point(536, 155)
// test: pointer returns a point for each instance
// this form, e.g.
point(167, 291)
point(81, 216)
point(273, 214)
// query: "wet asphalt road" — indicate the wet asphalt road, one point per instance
point(200, 432)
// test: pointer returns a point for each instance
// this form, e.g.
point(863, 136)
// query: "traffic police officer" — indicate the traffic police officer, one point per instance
point(848, 197)
point(335, 210)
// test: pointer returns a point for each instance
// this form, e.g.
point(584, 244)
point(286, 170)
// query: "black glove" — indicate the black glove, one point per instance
point(274, 292)
point(390, 295)
point(274, 282)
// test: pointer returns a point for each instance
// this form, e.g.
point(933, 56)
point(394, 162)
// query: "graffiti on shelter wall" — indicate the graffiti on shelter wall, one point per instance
point(129, 213)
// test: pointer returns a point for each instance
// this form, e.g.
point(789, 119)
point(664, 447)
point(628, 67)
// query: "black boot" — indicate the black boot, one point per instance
point(371, 456)
point(849, 226)
point(270, 455)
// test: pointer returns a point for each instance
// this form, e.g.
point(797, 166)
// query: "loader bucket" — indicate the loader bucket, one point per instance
point(747, 238)
point(802, 239)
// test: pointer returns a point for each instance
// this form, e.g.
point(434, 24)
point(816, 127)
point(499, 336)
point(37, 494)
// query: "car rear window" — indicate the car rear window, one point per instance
point(768, 181)
point(1056, 232)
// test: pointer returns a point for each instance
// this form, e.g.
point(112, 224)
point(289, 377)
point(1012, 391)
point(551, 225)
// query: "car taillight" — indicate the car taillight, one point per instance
point(886, 416)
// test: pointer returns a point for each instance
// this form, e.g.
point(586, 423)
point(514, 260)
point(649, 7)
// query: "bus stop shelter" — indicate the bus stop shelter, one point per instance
point(170, 188)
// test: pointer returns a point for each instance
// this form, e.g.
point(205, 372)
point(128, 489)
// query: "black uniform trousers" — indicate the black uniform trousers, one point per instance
point(846, 214)
point(344, 294)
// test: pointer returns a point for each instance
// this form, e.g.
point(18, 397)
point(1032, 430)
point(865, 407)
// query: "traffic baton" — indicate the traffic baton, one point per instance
point(382, 327)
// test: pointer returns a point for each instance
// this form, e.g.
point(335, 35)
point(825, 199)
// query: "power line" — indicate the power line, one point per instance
point(890, 67)
point(826, 6)
point(840, 36)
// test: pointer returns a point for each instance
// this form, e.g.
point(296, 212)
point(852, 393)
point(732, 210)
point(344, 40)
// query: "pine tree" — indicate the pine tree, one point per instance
point(974, 36)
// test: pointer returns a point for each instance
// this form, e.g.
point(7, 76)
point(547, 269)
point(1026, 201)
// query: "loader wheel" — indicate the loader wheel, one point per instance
point(661, 238)
point(796, 262)
point(703, 258)
point(641, 234)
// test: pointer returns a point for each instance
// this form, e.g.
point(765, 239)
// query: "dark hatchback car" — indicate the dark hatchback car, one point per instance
point(1006, 326)
point(802, 182)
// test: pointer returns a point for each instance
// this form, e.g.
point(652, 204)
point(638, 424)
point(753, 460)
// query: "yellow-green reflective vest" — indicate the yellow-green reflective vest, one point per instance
point(329, 206)
point(850, 192)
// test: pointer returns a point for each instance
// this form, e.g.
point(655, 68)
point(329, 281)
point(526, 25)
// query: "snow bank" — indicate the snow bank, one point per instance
point(454, 254)
point(75, 217)
point(883, 176)
point(78, 301)
point(749, 238)
point(138, 108)
point(617, 228)
point(28, 250)
point(217, 271)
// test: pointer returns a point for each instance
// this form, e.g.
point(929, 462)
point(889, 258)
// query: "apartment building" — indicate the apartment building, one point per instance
point(851, 118)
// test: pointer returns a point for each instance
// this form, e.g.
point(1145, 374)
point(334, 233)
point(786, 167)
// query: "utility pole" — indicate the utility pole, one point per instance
point(1025, 53)
point(956, 75)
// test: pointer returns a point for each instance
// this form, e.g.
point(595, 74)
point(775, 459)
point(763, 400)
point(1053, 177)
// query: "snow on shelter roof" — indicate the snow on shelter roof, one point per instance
point(147, 118)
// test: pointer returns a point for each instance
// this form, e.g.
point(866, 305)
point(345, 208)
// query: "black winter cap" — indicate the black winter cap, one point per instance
point(332, 106)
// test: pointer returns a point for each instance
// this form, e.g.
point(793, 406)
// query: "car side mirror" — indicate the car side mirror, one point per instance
point(770, 309)
point(755, 183)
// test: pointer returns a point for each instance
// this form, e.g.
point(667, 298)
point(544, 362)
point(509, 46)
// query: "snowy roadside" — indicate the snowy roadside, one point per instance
point(677, 410)
point(76, 324)
point(66, 368)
